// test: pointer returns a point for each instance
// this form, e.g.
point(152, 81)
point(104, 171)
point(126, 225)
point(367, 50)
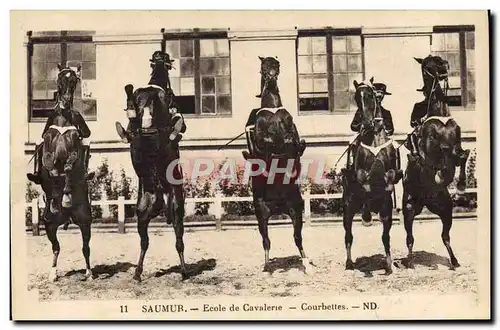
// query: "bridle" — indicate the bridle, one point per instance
point(268, 77)
point(435, 83)
point(377, 108)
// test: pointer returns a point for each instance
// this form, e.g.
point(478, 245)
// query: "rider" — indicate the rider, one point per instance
point(179, 125)
point(76, 119)
point(356, 124)
point(418, 116)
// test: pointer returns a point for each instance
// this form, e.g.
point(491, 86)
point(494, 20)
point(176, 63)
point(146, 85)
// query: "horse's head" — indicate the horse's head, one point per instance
point(367, 99)
point(67, 79)
point(434, 73)
point(269, 68)
point(160, 65)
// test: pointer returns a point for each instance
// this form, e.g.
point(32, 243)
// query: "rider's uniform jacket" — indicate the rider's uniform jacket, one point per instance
point(386, 115)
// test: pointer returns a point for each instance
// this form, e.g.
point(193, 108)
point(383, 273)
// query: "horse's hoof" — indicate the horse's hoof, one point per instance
point(88, 275)
point(349, 265)
point(410, 264)
point(454, 263)
point(137, 278)
point(388, 271)
point(307, 265)
point(184, 275)
point(267, 268)
point(53, 275)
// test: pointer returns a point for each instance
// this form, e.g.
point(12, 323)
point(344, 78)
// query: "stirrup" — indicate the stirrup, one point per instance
point(122, 133)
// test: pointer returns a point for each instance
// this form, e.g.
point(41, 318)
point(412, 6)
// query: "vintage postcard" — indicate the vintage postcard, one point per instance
point(250, 165)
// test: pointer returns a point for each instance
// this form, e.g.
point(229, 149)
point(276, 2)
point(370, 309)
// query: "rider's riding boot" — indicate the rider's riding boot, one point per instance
point(261, 87)
point(122, 133)
point(35, 177)
point(414, 145)
point(86, 158)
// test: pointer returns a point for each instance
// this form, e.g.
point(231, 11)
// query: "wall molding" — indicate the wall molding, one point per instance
point(127, 38)
point(399, 31)
point(290, 34)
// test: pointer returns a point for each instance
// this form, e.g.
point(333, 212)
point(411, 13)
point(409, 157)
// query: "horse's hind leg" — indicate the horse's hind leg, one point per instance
point(83, 218)
point(443, 206)
point(386, 219)
point(263, 215)
point(177, 216)
point(347, 220)
point(295, 214)
point(144, 206)
point(85, 229)
point(51, 229)
point(410, 209)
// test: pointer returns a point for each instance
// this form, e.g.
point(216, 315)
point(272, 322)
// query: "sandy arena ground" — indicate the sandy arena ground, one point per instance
point(230, 263)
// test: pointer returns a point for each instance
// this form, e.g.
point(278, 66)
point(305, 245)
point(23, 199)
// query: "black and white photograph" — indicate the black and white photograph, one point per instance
point(271, 165)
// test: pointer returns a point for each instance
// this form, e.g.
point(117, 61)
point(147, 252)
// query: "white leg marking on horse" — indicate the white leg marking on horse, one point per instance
point(88, 274)
point(53, 274)
point(307, 265)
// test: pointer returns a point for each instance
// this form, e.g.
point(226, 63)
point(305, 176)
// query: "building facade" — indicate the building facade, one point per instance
point(216, 78)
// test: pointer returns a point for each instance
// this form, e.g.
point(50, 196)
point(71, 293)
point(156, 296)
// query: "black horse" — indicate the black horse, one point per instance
point(63, 173)
point(272, 136)
point(439, 144)
point(370, 186)
point(155, 157)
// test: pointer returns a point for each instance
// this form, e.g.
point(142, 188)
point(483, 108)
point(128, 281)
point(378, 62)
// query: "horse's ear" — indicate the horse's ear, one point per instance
point(355, 84)
point(371, 80)
point(59, 66)
point(419, 60)
point(261, 58)
point(79, 70)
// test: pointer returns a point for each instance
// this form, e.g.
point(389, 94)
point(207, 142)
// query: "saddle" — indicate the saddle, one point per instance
point(272, 132)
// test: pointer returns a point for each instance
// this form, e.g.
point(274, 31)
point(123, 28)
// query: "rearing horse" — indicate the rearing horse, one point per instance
point(155, 158)
point(376, 171)
point(273, 137)
point(63, 172)
point(428, 177)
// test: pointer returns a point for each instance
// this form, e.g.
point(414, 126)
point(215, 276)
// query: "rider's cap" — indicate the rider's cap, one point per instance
point(381, 88)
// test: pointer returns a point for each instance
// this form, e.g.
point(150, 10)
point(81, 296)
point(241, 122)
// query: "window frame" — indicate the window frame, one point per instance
point(61, 38)
point(461, 30)
point(328, 33)
point(196, 35)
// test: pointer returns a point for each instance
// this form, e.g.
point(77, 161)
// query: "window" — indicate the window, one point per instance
point(202, 81)
point(456, 45)
point(46, 50)
point(327, 64)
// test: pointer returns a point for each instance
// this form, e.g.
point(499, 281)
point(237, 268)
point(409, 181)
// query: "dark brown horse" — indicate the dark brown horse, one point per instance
point(376, 170)
point(439, 143)
point(273, 137)
point(63, 174)
point(155, 158)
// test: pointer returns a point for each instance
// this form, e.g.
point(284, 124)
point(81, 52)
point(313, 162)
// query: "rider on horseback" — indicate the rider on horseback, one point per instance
point(178, 123)
point(75, 119)
point(418, 116)
point(357, 125)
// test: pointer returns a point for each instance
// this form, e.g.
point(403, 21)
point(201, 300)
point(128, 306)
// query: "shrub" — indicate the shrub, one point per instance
point(324, 206)
point(240, 189)
point(31, 194)
point(202, 188)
